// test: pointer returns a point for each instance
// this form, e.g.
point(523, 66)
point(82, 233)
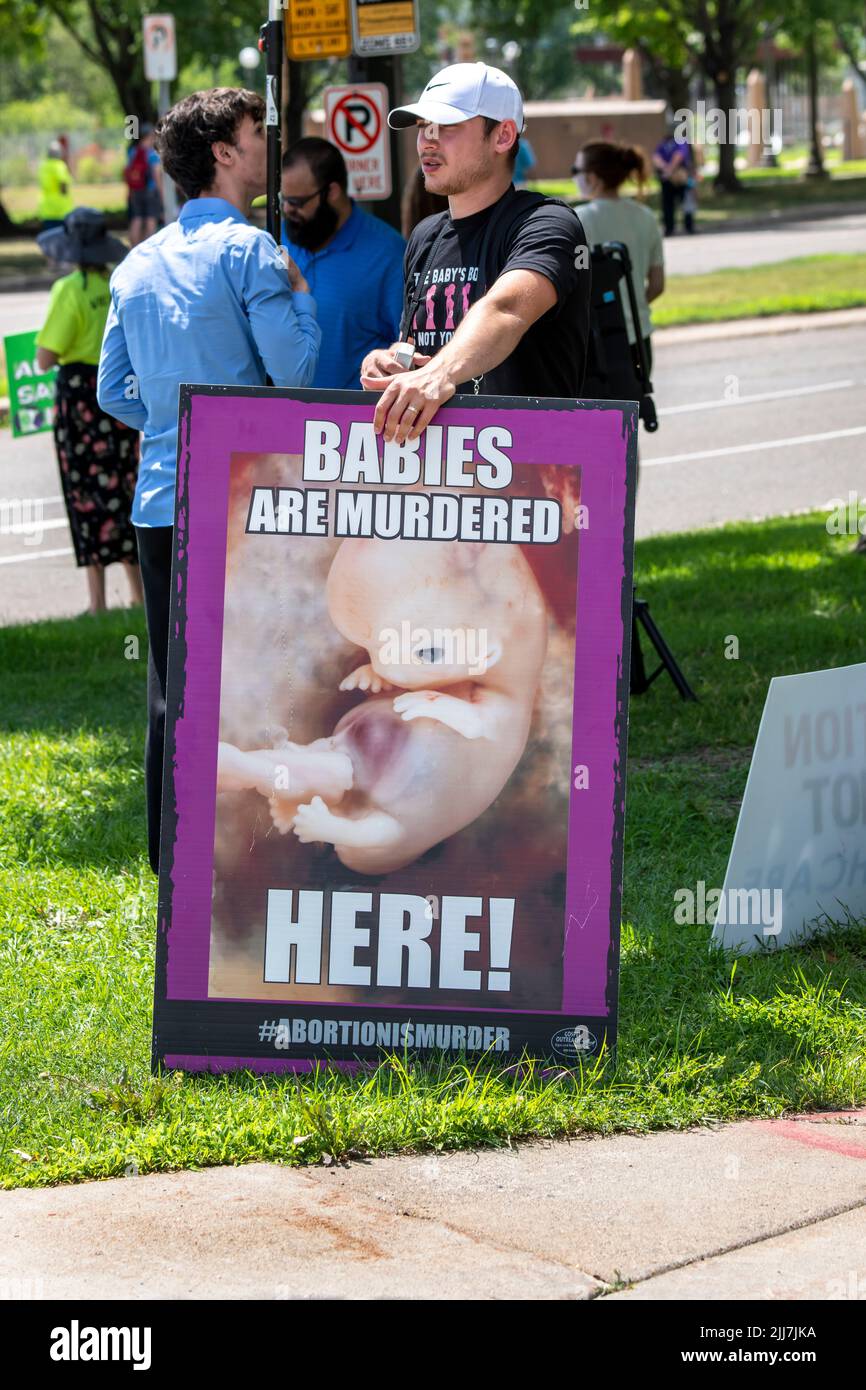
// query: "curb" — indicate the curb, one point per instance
point(757, 328)
point(768, 220)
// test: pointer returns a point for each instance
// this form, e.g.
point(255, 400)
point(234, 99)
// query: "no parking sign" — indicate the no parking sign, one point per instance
point(356, 122)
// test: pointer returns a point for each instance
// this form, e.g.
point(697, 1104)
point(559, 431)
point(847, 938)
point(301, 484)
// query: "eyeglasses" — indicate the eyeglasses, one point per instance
point(299, 202)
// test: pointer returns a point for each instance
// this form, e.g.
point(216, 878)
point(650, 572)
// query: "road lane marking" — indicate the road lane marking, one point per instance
point(34, 501)
point(37, 555)
point(755, 448)
point(759, 396)
point(30, 528)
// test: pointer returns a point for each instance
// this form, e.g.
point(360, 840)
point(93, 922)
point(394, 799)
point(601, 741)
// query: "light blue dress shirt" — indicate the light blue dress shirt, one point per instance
point(207, 300)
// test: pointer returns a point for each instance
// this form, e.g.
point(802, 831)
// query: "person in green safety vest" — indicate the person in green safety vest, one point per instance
point(55, 184)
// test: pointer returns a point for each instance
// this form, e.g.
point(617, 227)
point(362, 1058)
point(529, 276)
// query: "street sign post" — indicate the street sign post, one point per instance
point(384, 26)
point(160, 48)
point(272, 42)
point(356, 122)
point(160, 65)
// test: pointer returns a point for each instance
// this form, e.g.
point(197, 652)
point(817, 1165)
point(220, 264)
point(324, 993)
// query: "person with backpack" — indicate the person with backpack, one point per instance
point(143, 179)
point(497, 288)
point(600, 170)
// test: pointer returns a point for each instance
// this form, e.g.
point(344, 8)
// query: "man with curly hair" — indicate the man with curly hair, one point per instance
point(209, 299)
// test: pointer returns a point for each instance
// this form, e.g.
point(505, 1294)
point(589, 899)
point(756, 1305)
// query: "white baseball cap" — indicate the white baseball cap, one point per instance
point(462, 91)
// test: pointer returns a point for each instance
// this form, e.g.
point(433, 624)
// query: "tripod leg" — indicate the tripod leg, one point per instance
point(638, 683)
point(642, 613)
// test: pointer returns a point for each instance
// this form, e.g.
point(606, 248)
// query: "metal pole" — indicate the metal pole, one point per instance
point(273, 104)
point(169, 193)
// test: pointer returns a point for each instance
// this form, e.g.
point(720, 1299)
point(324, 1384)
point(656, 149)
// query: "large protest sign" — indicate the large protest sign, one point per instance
point(798, 861)
point(31, 391)
point(397, 711)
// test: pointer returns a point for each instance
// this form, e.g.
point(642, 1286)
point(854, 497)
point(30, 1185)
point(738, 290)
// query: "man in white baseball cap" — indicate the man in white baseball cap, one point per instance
point(496, 297)
point(460, 92)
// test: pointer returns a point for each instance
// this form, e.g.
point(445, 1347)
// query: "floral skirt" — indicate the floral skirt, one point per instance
point(98, 458)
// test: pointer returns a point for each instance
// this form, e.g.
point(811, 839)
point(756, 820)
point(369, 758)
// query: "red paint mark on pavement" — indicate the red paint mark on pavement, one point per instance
point(791, 1129)
point(825, 1117)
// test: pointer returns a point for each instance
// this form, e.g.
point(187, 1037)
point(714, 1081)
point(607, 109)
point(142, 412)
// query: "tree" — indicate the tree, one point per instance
point(20, 28)
point(808, 25)
point(718, 37)
point(848, 18)
point(109, 33)
point(533, 40)
point(658, 38)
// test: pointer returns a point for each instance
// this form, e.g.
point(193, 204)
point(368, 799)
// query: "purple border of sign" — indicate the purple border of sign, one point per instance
point(213, 427)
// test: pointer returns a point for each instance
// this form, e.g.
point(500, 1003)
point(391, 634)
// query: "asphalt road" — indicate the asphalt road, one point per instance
point(750, 427)
point(753, 427)
point(20, 312)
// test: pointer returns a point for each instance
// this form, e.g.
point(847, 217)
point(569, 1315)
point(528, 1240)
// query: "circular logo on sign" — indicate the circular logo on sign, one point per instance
point(574, 1042)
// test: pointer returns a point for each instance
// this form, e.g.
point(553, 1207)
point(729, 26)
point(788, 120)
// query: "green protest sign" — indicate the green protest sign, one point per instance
point(31, 392)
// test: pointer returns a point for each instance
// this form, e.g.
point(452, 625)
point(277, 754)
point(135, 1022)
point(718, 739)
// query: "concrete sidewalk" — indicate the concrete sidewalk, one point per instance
point(755, 1210)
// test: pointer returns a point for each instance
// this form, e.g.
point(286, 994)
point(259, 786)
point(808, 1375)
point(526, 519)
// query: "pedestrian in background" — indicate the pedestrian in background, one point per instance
point(55, 188)
point(352, 260)
point(97, 455)
point(143, 178)
point(209, 299)
point(600, 169)
point(674, 162)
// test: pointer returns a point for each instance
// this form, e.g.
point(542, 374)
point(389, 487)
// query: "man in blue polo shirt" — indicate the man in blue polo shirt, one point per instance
point(353, 261)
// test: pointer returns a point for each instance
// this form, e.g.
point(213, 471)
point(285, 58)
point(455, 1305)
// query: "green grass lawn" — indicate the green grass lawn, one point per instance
point(21, 203)
point(703, 1038)
point(764, 192)
point(21, 256)
point(803, 285)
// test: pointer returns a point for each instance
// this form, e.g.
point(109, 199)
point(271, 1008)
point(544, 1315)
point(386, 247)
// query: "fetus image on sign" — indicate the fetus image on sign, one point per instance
point(393, 706)
point(455, 636)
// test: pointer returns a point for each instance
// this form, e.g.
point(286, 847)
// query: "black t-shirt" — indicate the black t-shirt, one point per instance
point(450, 263)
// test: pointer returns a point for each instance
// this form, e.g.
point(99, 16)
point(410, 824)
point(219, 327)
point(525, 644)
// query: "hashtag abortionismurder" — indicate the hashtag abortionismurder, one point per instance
point(346, 1032)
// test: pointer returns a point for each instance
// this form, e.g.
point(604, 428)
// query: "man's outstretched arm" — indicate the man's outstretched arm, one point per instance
point(487, 335)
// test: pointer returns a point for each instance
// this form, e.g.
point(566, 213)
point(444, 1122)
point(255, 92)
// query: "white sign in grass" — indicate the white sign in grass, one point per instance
point(801, 832)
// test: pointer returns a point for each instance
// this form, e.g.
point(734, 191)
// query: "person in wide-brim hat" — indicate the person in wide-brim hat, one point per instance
point(82, 240)
point(97, 455)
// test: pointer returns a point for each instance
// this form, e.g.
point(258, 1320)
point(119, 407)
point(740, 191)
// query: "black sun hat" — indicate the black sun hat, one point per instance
point(82, 240)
